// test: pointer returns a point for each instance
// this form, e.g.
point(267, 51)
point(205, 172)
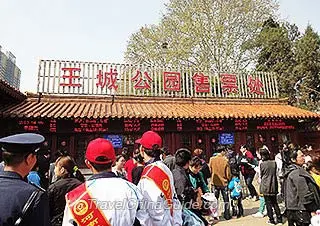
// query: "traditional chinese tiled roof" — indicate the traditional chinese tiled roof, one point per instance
point(9, 94)
point(97, 107)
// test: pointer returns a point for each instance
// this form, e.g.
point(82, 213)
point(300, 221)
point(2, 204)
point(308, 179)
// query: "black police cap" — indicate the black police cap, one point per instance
point(22, 143)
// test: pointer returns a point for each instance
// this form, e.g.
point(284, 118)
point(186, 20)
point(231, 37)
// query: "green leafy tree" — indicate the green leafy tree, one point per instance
point(275, 47)
point(307, 69)
point(210, 34)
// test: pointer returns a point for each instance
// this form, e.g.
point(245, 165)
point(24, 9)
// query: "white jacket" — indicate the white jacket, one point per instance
point(117, 198)
point(157, 205)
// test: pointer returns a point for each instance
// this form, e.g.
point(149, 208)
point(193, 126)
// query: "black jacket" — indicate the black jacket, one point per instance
point(183, 186)
point(300, 189)
point(170, 161)
point(14, 194)
point(57, 192)
point(268, 174)
point(136, 174)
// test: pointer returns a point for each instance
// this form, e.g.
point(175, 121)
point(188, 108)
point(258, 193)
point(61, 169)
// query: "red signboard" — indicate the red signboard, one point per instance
point(229, 83)
point(142, 80)
point(82, 125)
point(275, 124)
point(241, 124)
point(131, 125)
point(136, 125)
point(108, 79)
point(255, 86)
point(70, 76)
point(209, 125)
point(31, 125)
point(171, 81)
point(179, 125)
point(157, 125)
point(53, 126)
point(201, 83)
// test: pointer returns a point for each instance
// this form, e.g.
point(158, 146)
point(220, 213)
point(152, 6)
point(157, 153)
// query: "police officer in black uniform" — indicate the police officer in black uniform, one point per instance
point(21, 203)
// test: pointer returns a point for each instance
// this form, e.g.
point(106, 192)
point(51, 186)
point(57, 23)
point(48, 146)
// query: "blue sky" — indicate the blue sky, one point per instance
point(95, 30)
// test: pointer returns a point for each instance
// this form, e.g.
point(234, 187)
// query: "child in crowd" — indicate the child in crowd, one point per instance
point(236, 195)
point(33, 177)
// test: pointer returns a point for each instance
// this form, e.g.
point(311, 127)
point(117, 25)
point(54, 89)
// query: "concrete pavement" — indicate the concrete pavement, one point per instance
point(250, 207)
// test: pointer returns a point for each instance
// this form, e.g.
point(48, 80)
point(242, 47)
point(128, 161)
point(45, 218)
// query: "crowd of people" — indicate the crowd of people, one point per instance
point(153, 186)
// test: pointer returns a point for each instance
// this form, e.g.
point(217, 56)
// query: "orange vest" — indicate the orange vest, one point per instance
point(162, 180)
point(84, 209)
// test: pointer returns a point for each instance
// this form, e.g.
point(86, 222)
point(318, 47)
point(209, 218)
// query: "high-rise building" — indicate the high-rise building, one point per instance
point(9, 72)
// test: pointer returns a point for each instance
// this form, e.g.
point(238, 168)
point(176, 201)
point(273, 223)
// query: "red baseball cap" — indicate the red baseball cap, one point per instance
point(100, 151)
point(149, 139)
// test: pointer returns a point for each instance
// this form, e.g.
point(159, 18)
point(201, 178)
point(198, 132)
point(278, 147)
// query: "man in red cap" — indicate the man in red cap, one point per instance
point(156, 184)
point(104, 199)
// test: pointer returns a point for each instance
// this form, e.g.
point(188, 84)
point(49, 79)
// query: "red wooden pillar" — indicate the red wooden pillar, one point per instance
point(193, 141)
point(240, 138)
point(72, 147)
point(53, 144)
point(207, 150)
point(173, 142)
point(294, 137)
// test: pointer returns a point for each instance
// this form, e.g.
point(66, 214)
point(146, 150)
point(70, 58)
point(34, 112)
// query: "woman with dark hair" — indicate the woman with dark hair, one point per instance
point(130, 163)
point(205, 170)
point(68, 178)
point(247, 163)
point(199, 185)
point(196, 176)
point(118, 168)
point(269, 185)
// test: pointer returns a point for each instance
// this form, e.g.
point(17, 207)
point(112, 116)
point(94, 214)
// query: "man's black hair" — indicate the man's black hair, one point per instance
point(126, 153)
point(244, 146)
point(14, 159)
point(293, 154)
point(182, 156)
point(139, 158)
point(102, 167)
point(220, 149)
point(166, 151)
point(155, 152)
point(265, 154)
